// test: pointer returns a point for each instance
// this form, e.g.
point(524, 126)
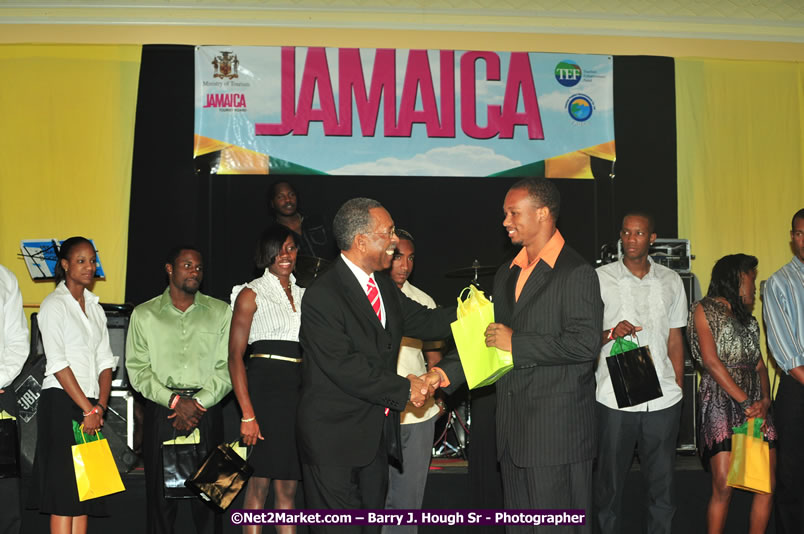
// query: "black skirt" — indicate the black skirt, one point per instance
point(273, 386)
point(53, 464)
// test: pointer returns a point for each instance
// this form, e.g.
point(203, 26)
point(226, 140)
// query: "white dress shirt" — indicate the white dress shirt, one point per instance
point(74, 339)
point(13, 329)
point(363, 279)
point(657, 303)
point(274, 318)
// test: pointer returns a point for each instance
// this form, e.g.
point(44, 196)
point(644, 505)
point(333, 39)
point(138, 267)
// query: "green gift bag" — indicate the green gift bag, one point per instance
point(749, 464)
point(482, 365)
point(81, 437)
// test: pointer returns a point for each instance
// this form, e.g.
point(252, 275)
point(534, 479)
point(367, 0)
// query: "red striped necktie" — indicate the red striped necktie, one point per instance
point(373, 295)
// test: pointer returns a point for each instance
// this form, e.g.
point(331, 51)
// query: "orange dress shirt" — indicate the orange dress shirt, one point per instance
point(549, 254)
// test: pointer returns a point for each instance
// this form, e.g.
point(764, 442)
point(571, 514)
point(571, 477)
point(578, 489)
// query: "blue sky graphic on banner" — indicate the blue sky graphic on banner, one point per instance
point(401, 112)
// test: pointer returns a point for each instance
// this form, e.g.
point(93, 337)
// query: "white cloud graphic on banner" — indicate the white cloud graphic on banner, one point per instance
point(461, 160)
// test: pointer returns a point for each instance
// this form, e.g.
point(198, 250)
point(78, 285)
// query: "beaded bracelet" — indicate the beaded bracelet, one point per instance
point(250, 419)
point(93, 410)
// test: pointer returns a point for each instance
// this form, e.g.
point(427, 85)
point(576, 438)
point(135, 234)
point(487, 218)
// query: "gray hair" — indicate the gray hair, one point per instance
point(353, 218)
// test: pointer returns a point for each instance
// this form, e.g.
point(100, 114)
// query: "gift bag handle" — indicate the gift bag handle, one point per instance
point(619, 341)
point(249, 448)
point(195, 445)
point(81, 428)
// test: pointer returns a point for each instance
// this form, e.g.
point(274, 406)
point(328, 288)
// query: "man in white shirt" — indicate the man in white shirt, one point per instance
point(13, 353)
point(406, 482)
point(644, 299)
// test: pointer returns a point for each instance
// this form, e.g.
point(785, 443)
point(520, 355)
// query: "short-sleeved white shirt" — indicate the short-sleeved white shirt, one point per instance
point(657, 302)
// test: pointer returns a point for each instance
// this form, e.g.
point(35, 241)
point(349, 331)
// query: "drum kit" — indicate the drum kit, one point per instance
point(453, 437)
point(308, 268)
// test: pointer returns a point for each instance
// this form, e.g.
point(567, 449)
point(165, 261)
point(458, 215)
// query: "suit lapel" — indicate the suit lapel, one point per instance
point(537, 281)
point(355, 295)
point(387, 289)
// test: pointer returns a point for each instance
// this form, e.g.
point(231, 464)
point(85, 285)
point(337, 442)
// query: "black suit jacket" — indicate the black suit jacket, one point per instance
point(349, 369)
point(546, 403)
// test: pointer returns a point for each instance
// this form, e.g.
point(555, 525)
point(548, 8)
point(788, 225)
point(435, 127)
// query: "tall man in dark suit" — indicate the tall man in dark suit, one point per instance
point(549, 315)
point(353, 319)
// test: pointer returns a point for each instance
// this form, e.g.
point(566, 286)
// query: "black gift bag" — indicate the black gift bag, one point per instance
point(221, 477)
point(9, 449)
point(10, 466)
point(393, 438)
point(180, 462)
point(633, 375)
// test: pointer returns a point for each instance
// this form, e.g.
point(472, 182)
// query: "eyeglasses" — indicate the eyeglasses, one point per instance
point(389, 233)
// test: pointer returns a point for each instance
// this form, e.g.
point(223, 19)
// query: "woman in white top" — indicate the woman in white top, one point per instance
point(267, 316)
point(78, 380)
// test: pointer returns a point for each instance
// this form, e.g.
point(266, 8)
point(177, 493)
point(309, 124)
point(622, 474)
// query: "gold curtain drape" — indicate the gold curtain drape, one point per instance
point(66, 142)
point(740, 126)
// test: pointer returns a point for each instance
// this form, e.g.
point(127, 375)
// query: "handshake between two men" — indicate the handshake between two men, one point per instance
point(423, 387)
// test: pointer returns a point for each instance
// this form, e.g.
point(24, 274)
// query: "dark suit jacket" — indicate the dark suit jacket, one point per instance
point(349, 368)
point(546, 403)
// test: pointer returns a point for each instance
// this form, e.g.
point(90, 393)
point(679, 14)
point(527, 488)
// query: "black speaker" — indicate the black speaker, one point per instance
point(687, 430)
point(27, 388)
point(117, 319)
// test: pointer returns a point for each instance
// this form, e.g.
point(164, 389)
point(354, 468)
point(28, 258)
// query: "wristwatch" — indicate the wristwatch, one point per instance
point(744, 405)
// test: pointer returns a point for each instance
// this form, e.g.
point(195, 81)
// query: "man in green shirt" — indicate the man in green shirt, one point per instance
point(176, 357)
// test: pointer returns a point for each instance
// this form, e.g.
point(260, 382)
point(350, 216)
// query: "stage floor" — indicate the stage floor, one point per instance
point(447, 487)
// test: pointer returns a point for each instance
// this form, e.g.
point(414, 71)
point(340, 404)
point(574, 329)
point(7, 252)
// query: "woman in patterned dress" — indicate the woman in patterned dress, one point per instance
point(267, 316)
point(724, 338)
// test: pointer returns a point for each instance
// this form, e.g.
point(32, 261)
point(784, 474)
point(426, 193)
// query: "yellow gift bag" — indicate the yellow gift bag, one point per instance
point(95, 471)
point(749, 466)
point(482, 365)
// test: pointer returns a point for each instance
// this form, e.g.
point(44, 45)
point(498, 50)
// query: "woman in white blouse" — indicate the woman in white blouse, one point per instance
point(267, 316)
point(78, 380)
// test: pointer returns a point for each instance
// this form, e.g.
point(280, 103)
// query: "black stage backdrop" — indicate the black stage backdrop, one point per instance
point(454, 220)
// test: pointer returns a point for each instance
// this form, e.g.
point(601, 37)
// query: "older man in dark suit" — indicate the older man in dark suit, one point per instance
point(353, 319)
point(549, 315)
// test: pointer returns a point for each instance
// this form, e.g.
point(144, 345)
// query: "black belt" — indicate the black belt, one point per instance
point(277, 357)
point(185, 392)
point(288, 349)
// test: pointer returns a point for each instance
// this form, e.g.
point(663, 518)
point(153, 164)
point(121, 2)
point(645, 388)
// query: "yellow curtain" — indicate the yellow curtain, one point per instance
point(66, 142)
point(740, 126)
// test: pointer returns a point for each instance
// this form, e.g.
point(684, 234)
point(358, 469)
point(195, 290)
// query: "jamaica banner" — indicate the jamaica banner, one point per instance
point(349, 111)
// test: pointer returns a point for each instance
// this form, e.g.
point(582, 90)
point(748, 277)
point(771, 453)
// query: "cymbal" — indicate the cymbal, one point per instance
point(474, 271)
point(311, 265)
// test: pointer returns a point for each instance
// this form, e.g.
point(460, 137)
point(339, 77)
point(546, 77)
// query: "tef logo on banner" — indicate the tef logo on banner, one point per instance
point(225, 65)
point(580, 107)
point(568, 73)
